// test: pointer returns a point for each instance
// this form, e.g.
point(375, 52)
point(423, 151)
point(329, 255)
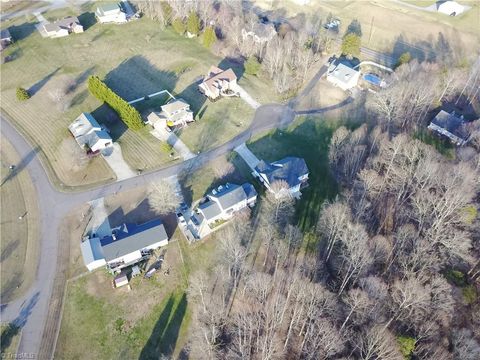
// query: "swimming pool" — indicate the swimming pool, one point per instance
point(372, 79)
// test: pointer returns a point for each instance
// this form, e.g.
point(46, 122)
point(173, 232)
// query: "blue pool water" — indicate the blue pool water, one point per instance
point(373, 79)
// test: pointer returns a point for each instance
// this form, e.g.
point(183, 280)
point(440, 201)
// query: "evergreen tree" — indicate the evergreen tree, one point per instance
point(179, 26)
point(22, 94)
point(209, 37)
point(351, 45)
point(193, 23)
point(252, 66)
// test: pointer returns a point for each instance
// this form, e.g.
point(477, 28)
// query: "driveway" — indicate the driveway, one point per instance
point(173, 140)
point(245, 153)
point(244, 95)
point(113, 156)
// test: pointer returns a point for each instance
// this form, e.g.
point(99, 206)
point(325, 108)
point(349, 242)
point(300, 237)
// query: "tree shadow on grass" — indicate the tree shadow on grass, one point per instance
point(21, 165)
point(106, 116)
point(87, 19)
point(10, 331)
point(8, 250)
point(39, 84)
point(164, 336)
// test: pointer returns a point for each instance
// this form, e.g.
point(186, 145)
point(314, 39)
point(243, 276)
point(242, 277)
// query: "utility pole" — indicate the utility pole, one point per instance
point(371, 30)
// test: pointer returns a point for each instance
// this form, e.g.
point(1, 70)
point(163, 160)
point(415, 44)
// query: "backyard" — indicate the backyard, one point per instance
point(135, 59)
point(19, 246)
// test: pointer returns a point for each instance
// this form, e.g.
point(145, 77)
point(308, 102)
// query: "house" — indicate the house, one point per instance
point(218, 83)
point(127, 245)
point(221, 205)
point(175, 113)
point(290, 173)
point(89, 134)
point(342, 75)
point(63, 27)
point(451, 126)
point(260, 33)
point(451, 8)
point(6, 38)
point(110, 13)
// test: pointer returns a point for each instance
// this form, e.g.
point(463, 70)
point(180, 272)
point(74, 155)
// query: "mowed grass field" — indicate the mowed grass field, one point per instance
point(388, 21)
point(135, 59)
point(19, 238)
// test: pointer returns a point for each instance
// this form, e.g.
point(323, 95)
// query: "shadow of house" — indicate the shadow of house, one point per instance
point(108, 117)
point(21, 165)
point(165, 333)
point(38, 85)
point(87, 19)
point(20, 32)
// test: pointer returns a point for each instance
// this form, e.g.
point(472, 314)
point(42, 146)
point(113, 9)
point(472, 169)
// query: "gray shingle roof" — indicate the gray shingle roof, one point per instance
point(91, 250)
point(210, 210)
point(288, 169)
point(451, 123)
point(130, 238)
point(231, 195)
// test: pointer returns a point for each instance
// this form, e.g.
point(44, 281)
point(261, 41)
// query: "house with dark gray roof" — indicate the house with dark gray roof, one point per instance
point(285, 176)
point(451, 126)
point(222, 204)
point(127, 245)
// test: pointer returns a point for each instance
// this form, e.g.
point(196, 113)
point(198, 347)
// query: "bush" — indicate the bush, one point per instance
point(351, 45)
point(404, 58)
point(193, 24)
point(252, 66)
point(179, 26)
point(209, 37)
point(469, 294)
point(22, 94)
point(456, 277)
point(129, 115)
point(407, 345)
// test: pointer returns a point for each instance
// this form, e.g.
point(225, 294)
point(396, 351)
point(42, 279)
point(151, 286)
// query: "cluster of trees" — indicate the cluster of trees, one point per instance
point(129, 115)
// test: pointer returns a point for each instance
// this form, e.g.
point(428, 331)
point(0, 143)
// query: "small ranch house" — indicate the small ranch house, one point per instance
point(63, 27)
point(89, 134)
point(260, 33)
point(451, 8)
point(221, 205)
point(451, 126)
point(176, 113)
point(218, 83)
point(343, 75)
point(290, 173)
point(127, 245)
point(6, 38)
point(110, 13)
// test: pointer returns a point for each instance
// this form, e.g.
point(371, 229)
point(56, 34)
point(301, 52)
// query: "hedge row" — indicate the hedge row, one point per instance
point(129, 115)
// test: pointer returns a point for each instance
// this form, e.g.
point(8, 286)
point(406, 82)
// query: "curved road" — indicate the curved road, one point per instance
point(30, 311)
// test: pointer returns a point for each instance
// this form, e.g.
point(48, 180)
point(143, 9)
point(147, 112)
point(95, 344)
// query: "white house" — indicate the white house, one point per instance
point(342, 75)
point(110, 13)
point(290, 173)
point(6, 38)
point(127, 245)
point(221, 205)
point(175, 113)
point(63, 27)
point(89, 134)
point(451, 8)
point(218, 83)
point(260, 33)
point(451, 126)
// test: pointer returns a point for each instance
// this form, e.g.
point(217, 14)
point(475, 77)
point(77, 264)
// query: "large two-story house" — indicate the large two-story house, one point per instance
point(219, 83)
point(175, 114)
point(89, 134)
point(282, 177)
point(127, 245)
point(220, 205)
point(110, 13)
point(451, 126)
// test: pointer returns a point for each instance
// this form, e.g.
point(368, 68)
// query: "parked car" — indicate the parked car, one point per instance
point(333, 24)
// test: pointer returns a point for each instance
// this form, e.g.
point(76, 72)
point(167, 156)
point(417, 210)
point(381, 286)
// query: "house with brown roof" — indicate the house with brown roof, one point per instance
point(63, 27)
point(218, 83)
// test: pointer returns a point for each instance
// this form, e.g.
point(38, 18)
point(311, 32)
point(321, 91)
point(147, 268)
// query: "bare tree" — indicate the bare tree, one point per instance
point(163, 197)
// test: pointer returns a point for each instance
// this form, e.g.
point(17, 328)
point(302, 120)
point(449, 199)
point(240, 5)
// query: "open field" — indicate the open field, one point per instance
point(413, 30)
point(20, 5)
point(19, 237)
point(135, 59)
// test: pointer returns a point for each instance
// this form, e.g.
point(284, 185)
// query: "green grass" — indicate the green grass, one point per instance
point(134, 59)
point(470, 294)
point(443, 146)
point(308, 138)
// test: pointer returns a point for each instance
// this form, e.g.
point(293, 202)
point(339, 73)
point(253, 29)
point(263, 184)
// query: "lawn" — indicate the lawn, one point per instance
point(309, 138)
point(135, 59)
point(19, 246)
